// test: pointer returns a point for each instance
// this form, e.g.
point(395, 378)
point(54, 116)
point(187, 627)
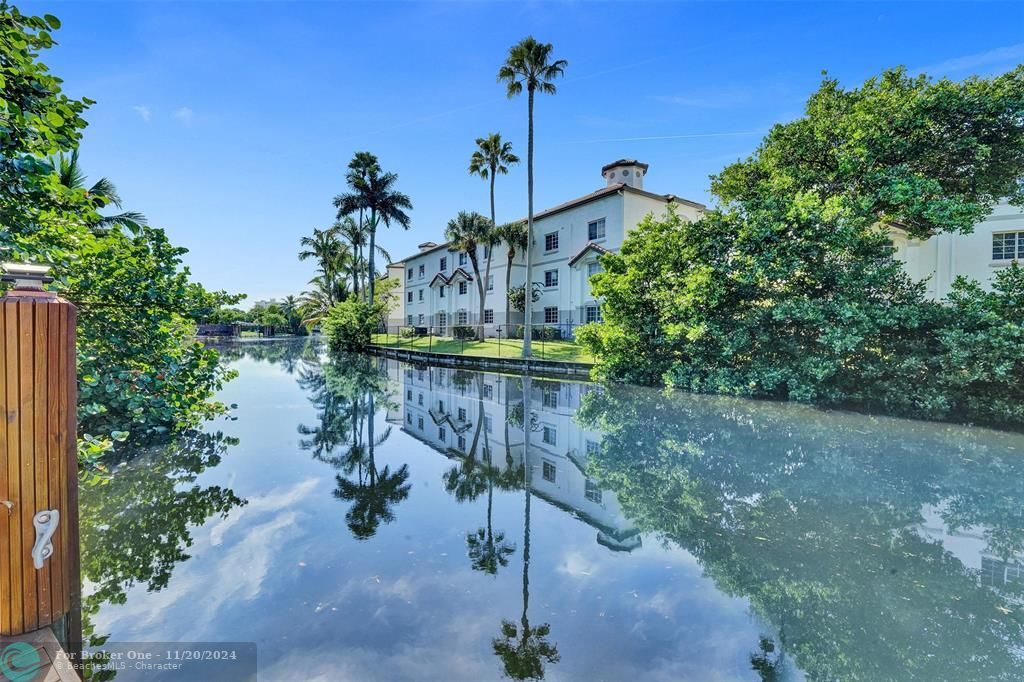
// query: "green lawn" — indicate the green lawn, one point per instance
point(565, 351)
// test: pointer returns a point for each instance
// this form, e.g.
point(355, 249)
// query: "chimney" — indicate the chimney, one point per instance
point(625, 171)
point(426, 246)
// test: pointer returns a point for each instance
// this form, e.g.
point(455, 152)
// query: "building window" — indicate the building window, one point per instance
point(593, 447)
point(421, 294)
point(551, 397)
point(551, 241)
point(463, 288)
point(592, 492)
point(419, 423)
point(423, 271)
point(551, 315)
point(462, 442)
point(551, 278)
point(487, 251)
point(408, 394)
point(463, 258)
point(488, 391)
point(1008, 245)
point(408, 297)
point(490, 282)
point(440, 406)
point(420, 317)
point(419, 400)
point(419, 376)
point(593, 268)
point(488, 423)
point(595, 229)
point(593, 313)
point(408, 419)
point(410, 274)
point(549, 435)
point(462, 317)
point(409, 320)
point(462, 414)
point(488, 316)
point(442, 292)
point(548, 470)
point(444, 263)
point(441, 433)
point(442, 320)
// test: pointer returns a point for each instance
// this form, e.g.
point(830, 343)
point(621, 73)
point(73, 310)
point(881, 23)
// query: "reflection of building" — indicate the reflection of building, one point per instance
point(449, 409)
point(971, 547)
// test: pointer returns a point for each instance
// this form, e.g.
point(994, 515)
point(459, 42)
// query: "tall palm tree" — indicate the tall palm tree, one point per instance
point(102, 192)
point(374, 190)
point(514, 237)
point(466, 232)
point(492, 156)
point(529, 65)
point(359, 169)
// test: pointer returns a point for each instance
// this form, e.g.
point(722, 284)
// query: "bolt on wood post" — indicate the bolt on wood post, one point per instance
point(39, 551)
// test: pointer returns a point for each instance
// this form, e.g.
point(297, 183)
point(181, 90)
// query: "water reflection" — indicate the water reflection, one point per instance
point(347, 394)
point(857, 548)
point(138, 526)
point(864, 541)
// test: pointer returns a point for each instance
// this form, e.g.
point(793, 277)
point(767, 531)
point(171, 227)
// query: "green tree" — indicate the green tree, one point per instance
point(529, 65)
point(374, 190)
point(101, 193)
point(789, 290)
point(516, 240)
point(492, 157)
point(359, 170)
point(467, 232)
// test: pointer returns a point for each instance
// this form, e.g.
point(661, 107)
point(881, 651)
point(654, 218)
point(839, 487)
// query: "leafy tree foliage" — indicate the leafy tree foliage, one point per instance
point(789, 291)
point(140, 371)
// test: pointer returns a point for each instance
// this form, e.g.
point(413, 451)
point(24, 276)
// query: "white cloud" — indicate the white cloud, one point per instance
point(185, 115)
point(143, 111)
point(1007, 56)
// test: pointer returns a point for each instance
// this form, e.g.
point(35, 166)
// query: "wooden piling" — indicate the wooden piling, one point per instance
point(39, 467)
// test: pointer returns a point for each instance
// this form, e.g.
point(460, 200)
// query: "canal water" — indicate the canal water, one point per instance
point(364, 519)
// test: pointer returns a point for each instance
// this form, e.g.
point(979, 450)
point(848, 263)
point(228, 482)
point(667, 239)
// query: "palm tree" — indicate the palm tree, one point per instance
point(375, 191)
point(333, 259)
point(466, 232)
point(359, 168)
point(491, 158)
point(529, 64)
point(102, 193)
point(515, 238)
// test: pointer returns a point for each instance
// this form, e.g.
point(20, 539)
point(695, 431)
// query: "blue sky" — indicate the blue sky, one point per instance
point(230, 124)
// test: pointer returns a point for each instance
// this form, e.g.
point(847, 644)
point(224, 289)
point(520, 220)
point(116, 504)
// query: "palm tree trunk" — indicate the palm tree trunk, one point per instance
point(371, 267)
point(528, 290)
point(508, 285)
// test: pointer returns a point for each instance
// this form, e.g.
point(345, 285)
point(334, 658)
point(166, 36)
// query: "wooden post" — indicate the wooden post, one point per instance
point(39, 552)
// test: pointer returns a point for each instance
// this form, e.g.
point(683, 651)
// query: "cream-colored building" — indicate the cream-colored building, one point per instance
point(995, 243)
point(440, 291)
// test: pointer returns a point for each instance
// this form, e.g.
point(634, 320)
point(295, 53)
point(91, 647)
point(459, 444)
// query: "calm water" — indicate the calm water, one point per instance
point(369, 520)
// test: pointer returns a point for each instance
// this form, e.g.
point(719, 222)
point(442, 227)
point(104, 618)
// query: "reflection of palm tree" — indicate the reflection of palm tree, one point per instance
point(768, 663)
point(524, 650)
point(372, 495)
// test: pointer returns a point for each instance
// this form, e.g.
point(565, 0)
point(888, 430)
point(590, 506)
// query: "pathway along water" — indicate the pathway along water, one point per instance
point(365, 519)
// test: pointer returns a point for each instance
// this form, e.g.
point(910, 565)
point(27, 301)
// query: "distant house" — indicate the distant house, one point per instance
point(995, 243)
point(438, 286)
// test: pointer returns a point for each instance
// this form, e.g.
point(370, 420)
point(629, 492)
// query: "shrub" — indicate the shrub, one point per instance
point(538, 333)
point(350, 324)
point(463, 332)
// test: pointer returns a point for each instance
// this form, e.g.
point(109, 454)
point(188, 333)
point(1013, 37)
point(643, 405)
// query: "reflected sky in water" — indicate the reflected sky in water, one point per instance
point(368, 520)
